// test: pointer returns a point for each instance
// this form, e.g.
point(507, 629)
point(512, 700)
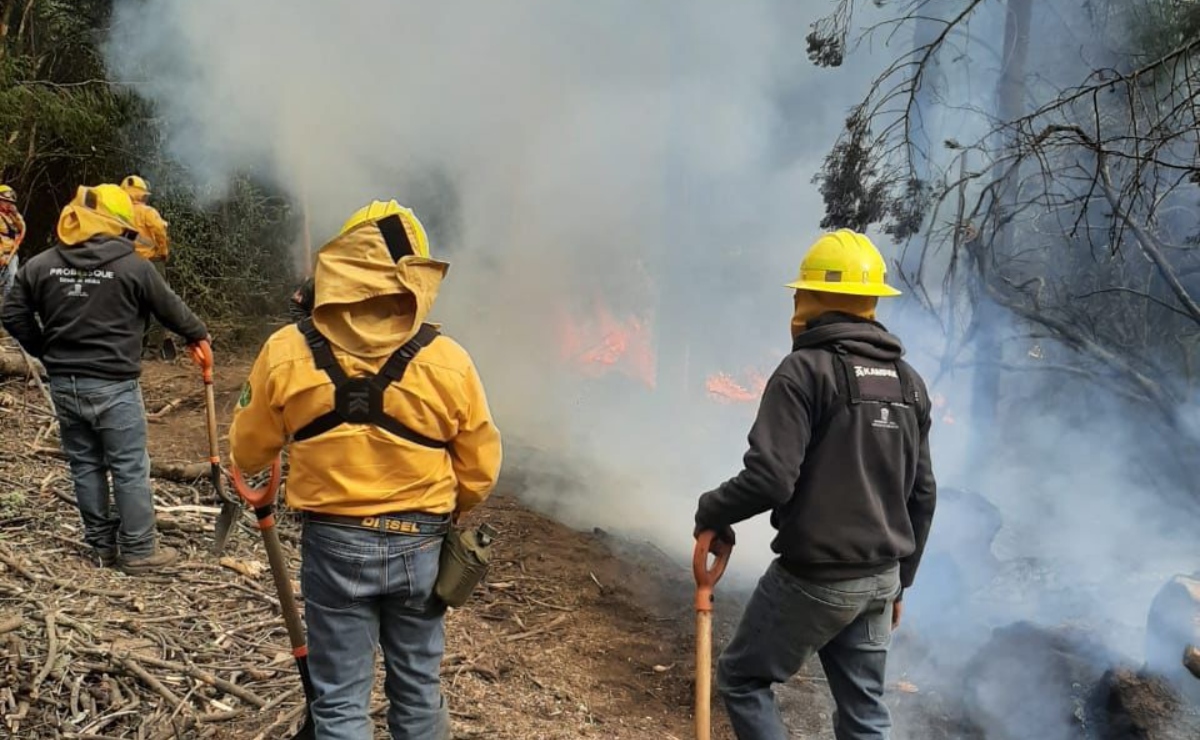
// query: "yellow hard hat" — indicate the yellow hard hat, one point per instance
point(8, 194)
point(379, 210)
point(109, 199)
point(135, 185)
point(846, 262)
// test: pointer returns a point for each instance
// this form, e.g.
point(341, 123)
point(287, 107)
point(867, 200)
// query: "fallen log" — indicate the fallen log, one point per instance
point(179, 472)
point(157, 417)
point(175, 472)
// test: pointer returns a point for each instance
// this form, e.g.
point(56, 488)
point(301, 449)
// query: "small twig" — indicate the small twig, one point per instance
point(51, 655)
point(135, 668)
point(537, 630)
point(11, 623)
point(7, 558)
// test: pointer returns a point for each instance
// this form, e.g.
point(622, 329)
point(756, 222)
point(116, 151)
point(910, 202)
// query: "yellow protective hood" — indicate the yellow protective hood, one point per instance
point(810, 304)
point(366, 302)
point(88, 215)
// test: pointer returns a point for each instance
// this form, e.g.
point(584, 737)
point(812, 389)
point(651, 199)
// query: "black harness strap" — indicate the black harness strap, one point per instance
point(360, 400)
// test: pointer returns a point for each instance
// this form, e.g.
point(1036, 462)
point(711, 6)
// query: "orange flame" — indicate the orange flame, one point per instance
point(940, 405)
point(723, 388)
point(605, 344)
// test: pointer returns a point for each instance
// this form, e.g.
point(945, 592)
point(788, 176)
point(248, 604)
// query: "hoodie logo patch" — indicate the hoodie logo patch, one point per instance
point(875, 372)
point(885, 419)
point(77, 291)
point(71, 272)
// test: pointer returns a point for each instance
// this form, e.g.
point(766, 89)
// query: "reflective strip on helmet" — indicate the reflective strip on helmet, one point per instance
point(832, 276)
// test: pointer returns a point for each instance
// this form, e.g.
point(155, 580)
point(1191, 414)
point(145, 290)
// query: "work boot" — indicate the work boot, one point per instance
point(107, 558)
point(147, 564)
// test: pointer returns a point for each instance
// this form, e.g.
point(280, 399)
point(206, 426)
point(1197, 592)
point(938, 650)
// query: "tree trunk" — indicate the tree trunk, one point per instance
point(1010, 97)
point(924, 124)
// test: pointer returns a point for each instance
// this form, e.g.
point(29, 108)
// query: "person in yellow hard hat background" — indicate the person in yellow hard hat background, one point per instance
point(839, 454)
point(12, 233)
point(151, 244)
point(389, 437)
point(79, 308)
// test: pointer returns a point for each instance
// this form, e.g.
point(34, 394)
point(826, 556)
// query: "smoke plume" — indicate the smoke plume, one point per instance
point(638, 164)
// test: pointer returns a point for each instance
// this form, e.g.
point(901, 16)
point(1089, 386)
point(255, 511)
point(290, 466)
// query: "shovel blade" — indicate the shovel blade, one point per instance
point(225, 521)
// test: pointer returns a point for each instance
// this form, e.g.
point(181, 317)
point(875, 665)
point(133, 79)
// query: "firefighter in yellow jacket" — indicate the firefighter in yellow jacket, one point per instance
point(12, 233)
point(387, 421)
point(151, 244)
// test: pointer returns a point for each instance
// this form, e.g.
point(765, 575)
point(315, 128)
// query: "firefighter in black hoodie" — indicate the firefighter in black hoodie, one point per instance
point(839, 454)
point(80, 308)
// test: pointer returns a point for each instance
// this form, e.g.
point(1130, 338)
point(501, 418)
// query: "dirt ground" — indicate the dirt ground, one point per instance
point(574, 635)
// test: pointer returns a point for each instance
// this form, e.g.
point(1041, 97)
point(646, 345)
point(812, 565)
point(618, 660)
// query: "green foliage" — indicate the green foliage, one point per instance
point(59, 117)
point(230, 261)
point(63, 124)
point(858, 193)
point(1160, 27)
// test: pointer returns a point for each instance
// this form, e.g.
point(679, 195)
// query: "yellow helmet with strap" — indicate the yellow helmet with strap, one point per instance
point(845, 262)
point(135, 185)
point(379, 210)
point(7, 194)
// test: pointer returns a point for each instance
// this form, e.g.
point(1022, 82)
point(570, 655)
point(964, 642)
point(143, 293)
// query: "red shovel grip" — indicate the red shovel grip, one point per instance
point(707, 575)
point(202, 355)
point(259, 498)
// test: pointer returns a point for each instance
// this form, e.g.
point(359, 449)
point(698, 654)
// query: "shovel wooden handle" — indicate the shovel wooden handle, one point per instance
point(703, 675)
point(706, 576)
point(263, 501)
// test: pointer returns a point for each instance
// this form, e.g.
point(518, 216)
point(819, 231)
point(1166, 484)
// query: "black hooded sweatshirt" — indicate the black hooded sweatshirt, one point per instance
point(840, 453)
point(81, 310)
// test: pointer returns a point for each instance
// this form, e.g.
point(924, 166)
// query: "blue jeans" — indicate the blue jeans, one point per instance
point(364, 589)
point(102, 424)
point(8, 275)
point(847, 623)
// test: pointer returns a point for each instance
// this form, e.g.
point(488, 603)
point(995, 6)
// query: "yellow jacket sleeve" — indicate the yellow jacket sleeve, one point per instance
point(475, 453)
point(156, 229)
point(152, 242)
point(257, 434)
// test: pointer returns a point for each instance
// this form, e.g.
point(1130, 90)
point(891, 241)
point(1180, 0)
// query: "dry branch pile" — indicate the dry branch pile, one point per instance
point(88, 652)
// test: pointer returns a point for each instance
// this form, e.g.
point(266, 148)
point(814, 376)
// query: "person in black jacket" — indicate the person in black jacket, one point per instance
point(300, 305)
point(839, 454)
point(80, 308)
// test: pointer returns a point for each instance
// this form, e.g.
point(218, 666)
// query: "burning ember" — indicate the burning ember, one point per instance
point(940, 406)
point(604, 344)
point(724, 388)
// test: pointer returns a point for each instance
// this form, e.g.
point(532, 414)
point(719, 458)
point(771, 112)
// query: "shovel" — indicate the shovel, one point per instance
point(706, 577)
point(263, 502)
point(203, 357)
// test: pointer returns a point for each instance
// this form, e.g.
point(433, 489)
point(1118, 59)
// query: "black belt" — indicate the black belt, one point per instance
point(384, 523)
